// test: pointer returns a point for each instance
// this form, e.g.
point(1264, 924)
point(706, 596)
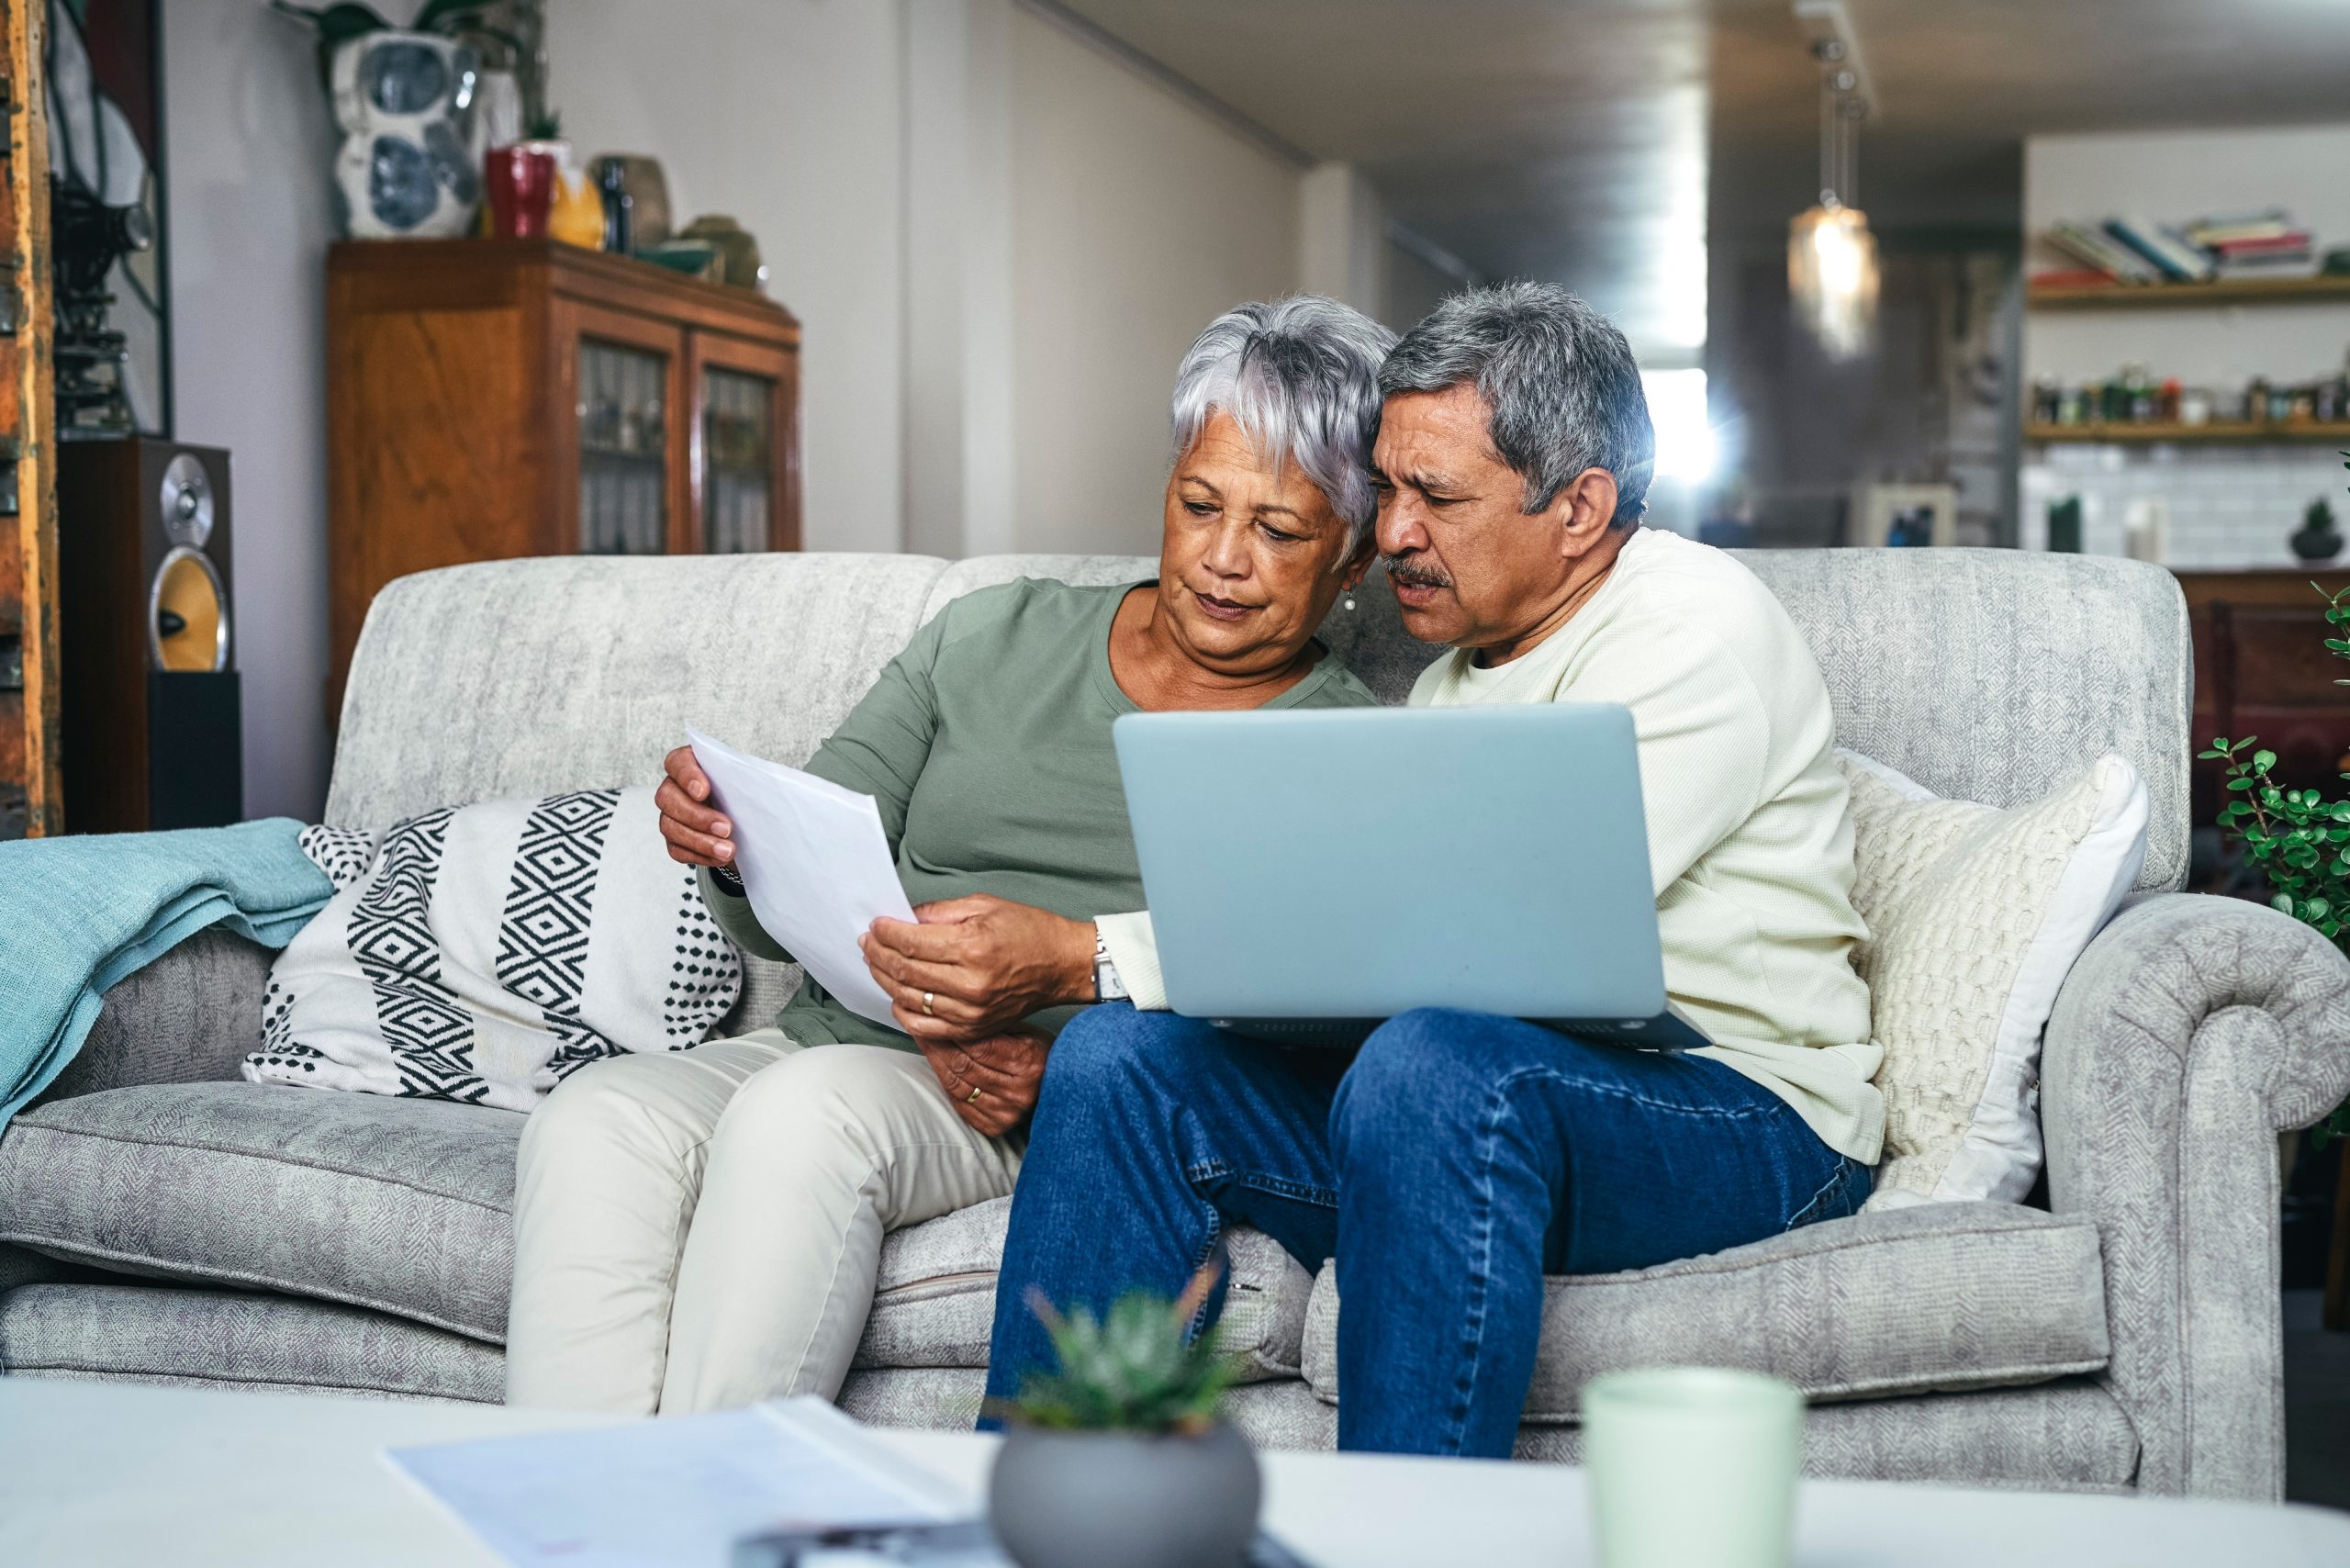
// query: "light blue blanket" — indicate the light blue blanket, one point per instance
point(79, 913)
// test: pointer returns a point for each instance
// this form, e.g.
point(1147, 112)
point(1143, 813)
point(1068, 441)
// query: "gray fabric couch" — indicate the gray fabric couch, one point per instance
point(160, 1220)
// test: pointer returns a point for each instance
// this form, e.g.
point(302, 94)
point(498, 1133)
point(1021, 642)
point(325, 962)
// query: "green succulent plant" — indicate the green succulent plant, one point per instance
point(1135, 1369)
point(2299, 839)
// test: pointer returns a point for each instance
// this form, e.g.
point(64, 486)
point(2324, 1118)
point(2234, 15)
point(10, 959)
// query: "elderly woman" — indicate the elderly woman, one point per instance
point(702, 1229)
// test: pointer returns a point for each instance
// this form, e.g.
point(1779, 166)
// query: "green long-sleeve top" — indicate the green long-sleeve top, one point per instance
point(986, 744)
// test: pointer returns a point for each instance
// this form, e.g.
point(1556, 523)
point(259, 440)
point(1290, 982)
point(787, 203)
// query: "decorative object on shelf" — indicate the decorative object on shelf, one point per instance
point(648, 196)
point(521, 191)
point(2134, 407)
point(695, 258)
point(405, 167)
point(576, 208)
point(1902, 515)
point(1119, 1457)
point(112, 314)
point(611, 182)
point(408, 166)
point(2146, 529)
point(2065, 526)
point(2317, 539)
point(1831, 256)
point(498, 109)
point(738, 252)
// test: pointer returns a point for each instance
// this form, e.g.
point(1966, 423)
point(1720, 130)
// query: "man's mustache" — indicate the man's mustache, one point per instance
point(1401, 569)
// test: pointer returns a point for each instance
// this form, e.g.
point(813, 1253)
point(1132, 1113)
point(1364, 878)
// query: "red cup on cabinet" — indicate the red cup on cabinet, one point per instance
point(521, 191)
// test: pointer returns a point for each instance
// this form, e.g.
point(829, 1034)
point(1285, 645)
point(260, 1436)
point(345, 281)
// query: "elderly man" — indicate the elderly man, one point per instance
point(1460, 1156)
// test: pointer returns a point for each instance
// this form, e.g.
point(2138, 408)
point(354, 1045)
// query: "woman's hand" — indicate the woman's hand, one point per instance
point(992, 1083)
point(697, 835)
point(971, 967)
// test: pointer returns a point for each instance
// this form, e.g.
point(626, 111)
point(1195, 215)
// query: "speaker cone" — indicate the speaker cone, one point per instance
point(187, 622)
point(188, 501)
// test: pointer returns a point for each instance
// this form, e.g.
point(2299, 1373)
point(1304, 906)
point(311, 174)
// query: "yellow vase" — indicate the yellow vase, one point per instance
point(577, 215)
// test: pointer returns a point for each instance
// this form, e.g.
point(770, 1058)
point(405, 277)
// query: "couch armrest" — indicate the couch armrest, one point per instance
point(2189, 1034)
point(188, 1017)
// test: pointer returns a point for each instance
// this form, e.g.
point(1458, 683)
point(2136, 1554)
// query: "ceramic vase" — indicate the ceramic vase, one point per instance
point(1132, 1499)
point(2316, 540)
point(406, 169)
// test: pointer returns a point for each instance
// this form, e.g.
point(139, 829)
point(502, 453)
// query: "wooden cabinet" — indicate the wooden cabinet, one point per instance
point(2262, 669)
point(496, 398)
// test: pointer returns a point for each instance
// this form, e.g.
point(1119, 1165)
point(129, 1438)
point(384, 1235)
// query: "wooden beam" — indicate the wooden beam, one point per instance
point(30, 302)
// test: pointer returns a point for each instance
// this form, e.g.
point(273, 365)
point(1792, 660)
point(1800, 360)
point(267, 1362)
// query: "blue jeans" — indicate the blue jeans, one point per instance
point(1450, 1164)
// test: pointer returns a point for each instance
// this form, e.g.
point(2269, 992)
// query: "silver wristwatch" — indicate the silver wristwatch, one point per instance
point(1107, 986)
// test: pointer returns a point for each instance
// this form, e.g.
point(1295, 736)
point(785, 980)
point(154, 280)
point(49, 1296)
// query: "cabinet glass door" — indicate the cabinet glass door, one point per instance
point(623, 450)
point(738, 488)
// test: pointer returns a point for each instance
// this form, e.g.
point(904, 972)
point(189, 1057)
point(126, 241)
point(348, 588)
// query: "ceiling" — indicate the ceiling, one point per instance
point(1573, 139)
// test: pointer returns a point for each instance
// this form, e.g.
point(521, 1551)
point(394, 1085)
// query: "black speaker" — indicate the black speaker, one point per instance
point(148, 677)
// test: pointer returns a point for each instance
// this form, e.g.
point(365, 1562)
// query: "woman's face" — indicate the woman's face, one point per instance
point(1251, 561)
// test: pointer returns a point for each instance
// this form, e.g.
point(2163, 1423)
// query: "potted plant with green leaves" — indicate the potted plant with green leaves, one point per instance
point(2299, 839)
point(2317, 539)
point(1118, 1460)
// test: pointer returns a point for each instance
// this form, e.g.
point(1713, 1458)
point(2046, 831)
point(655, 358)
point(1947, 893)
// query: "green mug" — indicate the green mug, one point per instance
point(1691, 1465)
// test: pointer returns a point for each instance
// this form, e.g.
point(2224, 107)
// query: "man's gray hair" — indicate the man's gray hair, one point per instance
point(1301, 377)
point(1559, 378)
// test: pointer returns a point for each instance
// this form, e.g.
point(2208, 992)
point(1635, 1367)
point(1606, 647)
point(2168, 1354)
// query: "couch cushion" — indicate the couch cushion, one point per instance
point(1938, 1298)
point(237, 1339)
point(396, 1204)
point(935, 1304)
point(404, 1205)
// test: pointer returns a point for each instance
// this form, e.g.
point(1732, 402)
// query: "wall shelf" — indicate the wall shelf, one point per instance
point(2219, 291)
point(2239, 431)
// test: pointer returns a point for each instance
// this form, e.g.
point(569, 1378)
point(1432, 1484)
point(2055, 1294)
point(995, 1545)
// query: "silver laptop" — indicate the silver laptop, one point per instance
point(1312, 873)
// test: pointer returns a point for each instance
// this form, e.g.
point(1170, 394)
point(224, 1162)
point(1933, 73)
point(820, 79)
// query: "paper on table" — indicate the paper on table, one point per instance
point(815, 863)
point(675, 1492)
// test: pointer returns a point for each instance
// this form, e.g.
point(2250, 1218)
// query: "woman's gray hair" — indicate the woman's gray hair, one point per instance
point(1563, 389)
point(1301, 377)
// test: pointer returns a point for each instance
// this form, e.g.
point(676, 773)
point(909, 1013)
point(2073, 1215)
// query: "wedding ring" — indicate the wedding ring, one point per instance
point(927, 997)
point(974, 1099)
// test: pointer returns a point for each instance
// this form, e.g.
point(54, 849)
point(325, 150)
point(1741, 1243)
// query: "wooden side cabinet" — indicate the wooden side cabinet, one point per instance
point(488, 399)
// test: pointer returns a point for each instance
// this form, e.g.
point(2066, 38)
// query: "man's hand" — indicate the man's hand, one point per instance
point(698, 834)
point(991, 1082)
point(971, 967)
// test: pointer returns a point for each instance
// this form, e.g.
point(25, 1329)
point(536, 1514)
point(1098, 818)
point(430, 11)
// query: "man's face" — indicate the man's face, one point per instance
point(1469, 567)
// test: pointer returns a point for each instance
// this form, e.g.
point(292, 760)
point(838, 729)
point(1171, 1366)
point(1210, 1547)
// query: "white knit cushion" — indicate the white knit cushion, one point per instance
point(1976, 915)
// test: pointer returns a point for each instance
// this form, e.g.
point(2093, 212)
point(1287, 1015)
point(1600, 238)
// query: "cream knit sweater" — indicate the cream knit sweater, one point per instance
point(1750, 826)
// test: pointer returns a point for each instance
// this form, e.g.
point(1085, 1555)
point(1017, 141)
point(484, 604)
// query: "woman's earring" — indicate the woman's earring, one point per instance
point(1351, 601)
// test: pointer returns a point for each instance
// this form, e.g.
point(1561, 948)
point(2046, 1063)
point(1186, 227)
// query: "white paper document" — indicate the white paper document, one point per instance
point(676, 1493)
point(815, 863)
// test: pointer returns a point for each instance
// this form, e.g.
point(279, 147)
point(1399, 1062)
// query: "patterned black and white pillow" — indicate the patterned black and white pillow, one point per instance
point(484, 953)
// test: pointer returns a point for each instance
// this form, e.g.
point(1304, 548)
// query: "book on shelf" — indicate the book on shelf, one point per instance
point(2292, 239)
point(2106, 255)
point(2073, 277)
point(2171, 257)
point(2229, 228)
point(2283, 265)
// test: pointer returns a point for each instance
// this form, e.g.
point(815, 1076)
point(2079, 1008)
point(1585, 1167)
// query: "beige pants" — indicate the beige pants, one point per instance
point(701, 1229)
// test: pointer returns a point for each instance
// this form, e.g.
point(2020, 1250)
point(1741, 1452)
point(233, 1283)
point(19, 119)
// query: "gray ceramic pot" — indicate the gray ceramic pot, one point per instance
point(1125, 1499)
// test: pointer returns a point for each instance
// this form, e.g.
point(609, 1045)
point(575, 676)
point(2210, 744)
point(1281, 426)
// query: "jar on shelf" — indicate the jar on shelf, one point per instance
point(2195, 405)
point(2047, 396)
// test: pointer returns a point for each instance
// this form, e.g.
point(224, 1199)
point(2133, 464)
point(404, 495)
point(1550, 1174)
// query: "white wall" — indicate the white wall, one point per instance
point(787, 115)
point(2227, 505)
point(1104, 219)
point(1137, 219)
point(246, 156)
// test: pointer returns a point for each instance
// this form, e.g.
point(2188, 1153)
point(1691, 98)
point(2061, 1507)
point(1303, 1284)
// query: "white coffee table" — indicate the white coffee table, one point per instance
point(122, 1474)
